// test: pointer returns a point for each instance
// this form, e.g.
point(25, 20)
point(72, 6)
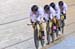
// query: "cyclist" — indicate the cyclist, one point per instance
point(63, 8)
point(36, 15)
point(57, 11)
point(48, 15)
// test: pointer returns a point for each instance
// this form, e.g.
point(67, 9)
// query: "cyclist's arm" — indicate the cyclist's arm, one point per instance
point(52, 12)
point(40, 16)
point(65, 8)
point(32, 17)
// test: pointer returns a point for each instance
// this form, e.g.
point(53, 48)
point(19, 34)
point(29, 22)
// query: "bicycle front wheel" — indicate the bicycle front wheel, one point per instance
point(36, 40)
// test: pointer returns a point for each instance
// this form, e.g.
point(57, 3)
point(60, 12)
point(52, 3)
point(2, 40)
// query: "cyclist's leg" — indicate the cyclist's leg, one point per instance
point(42, 30)
point(50, 24)
point(64, 16)
point(52, 36)
point(64, 19)
point(42, 37)
point(58, 27)
point(47, 32)
point(58, 24)
point(51, 30)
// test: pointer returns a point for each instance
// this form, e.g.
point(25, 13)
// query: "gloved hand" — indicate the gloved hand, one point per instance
point(64, 15)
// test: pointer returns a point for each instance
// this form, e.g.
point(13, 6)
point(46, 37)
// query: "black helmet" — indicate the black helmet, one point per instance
point(34, 8)
point(60, 3)
point(52, 5)
point(46, 8)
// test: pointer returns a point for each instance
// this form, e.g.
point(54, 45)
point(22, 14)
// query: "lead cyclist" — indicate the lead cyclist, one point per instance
point(36, 15)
